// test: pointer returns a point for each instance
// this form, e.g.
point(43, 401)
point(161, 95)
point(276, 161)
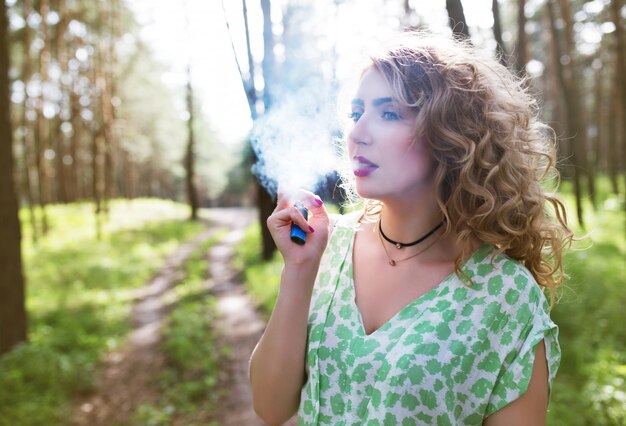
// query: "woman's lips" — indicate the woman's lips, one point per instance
point(363, 166)
point(364, 171)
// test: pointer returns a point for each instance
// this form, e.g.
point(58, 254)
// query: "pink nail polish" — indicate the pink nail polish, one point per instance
point(311, 228)
point(318, 201)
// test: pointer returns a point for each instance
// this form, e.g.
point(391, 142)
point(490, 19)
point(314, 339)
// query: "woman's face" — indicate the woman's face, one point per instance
point(387, 160)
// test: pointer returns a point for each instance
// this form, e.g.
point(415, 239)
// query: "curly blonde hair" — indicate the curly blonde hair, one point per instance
point(495, 170)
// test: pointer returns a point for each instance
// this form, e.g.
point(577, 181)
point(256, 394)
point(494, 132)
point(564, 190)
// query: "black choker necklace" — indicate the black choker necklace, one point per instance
point(402, 245)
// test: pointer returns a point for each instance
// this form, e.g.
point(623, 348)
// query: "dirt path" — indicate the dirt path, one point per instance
point(127, 377)
point(240, 327)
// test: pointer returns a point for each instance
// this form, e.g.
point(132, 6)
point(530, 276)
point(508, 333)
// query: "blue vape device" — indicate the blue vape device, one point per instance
point(297, 235)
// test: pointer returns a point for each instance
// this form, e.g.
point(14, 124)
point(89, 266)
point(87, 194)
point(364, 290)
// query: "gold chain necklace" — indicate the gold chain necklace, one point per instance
point(394, 262)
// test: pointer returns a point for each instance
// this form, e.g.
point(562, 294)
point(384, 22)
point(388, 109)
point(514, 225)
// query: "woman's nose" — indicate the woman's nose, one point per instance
point(359, 133)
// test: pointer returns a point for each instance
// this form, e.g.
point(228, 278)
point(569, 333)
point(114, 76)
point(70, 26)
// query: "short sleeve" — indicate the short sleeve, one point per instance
point(514, 377)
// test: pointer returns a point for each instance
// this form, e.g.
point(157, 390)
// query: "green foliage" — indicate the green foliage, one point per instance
point(239, 179)
point(36, 381)
point(590, 317)
point(155, 133)
point(191, 378)
point(261, 278)
point(79, 294)
point(605, 389)
point(214, 161)
point(153, 415)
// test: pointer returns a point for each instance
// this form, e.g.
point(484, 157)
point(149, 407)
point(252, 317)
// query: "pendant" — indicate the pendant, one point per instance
point(392, 262)
point(398, 245)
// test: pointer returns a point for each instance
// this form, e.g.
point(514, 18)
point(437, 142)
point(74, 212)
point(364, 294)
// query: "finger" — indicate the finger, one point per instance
point(313, 202)
point(282, 202)
point(290, 215)
point(308, 198)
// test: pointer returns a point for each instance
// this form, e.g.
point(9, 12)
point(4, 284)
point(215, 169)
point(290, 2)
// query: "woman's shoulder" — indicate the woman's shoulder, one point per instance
point(498, 277)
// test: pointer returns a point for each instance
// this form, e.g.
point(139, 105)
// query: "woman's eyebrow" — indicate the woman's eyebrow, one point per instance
point(376, 102)
point(380, 101)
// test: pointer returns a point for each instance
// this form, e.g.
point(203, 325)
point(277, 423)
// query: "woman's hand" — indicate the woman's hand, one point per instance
point(279, 225)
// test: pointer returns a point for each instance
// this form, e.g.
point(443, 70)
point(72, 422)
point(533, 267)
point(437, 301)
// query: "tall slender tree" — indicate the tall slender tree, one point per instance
point(12, 311)
point(97, 151)
point(576, 130)
point(456, 17)
point(112, 98)
point(58, 138)
point(614, 128)
point(554, 93)
point(501, 51)
point(522, 55)
point(620, 62)
point(77, 188)
point(28, 143)
point(41, 134)
point(248, 82)
point(192, 192)
point(596, 143)
point(264, 200)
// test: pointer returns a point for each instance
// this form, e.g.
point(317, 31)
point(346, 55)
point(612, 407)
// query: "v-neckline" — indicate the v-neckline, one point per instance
point(437, 288)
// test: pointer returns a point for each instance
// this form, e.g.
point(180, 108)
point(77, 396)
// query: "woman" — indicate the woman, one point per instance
point(427, 306)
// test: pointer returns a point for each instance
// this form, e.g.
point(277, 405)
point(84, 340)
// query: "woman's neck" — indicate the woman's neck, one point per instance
point(405, 221)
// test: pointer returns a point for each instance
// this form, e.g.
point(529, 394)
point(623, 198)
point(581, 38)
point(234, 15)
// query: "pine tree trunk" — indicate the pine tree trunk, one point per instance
point(600, 112)
point(130, 179)
point(76, 168)
point(570, 93)
point(407, 16)
point(57, 136)
point(28, 142)
point(12, 310)
point(40, 136)
point(555, 95)
point(111, 159)
point(620, 62)
point(501, 52)
point(456, 18)
point(265, 201)
point(96, 164)
point(100, 79)
point(192, 193)
point(602, 121)
point(248, 84)
point(521, 53)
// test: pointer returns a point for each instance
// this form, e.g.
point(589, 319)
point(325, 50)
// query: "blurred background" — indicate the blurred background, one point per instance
point(126, 154)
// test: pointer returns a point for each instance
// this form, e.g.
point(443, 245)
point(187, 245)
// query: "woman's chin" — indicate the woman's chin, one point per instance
point(368, 193)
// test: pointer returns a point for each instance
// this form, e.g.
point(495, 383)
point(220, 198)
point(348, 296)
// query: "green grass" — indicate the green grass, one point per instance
point(79, 296)
point(590, 315)
point(189, 383)
point(262, 279)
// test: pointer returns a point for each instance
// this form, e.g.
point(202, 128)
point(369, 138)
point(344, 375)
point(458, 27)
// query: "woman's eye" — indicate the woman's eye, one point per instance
point(392, 116)
point(354, 116)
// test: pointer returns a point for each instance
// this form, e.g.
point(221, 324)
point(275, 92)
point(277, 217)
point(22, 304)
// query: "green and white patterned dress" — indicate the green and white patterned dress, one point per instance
point(453, 356)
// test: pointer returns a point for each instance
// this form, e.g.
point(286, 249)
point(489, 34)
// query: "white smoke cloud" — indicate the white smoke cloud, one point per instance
point(296, 142)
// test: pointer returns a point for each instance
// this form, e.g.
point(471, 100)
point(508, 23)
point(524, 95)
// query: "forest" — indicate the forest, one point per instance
point(133, 195)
